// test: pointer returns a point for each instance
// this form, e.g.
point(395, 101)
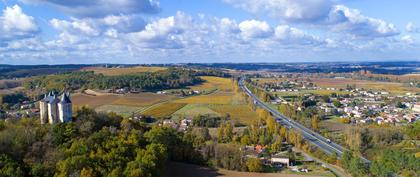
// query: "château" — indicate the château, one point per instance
point(54, 109)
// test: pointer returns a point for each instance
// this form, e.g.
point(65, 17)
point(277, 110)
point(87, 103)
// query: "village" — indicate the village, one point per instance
point(351, 104)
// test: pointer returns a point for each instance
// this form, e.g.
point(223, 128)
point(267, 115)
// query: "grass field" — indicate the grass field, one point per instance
point(219, 103)
point(212, 83)
point(385, 86)
point(124, 111)
point(164, 110)
point(80, 100)
point(135, 100)
point(237, 112)
point(192, 110)
point(123, 71)
point(141, 99)
point(217, 98)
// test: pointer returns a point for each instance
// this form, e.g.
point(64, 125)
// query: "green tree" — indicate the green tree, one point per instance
point(314, 122)
point(254, 165)
point(10, 168)
point(63, 133)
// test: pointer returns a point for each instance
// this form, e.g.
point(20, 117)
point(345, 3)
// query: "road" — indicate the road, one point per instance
point(312, 137)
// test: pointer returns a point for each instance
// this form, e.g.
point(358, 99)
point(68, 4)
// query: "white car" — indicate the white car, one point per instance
point(328, 140)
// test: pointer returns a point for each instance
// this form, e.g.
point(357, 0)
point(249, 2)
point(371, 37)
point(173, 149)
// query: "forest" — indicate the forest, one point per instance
point(95, 144)
point(171, 78)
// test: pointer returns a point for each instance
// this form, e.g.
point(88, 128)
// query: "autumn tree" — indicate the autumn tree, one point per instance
point(254, 165)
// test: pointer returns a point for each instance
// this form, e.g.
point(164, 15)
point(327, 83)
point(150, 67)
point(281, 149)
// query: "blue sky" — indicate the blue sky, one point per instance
point(180, 31)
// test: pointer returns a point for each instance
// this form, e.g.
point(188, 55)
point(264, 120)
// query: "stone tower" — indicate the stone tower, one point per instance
point(65, 108)
point(54, 110)
point(43, 110)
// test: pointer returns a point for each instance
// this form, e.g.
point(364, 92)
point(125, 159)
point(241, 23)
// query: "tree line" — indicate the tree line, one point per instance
point(166, 79)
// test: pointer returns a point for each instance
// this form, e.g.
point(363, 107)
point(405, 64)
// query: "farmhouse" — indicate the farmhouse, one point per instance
point(416, 107)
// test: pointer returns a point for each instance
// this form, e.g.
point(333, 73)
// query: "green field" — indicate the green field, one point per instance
point(164, 110)
point(124, 111)
point(192, 110)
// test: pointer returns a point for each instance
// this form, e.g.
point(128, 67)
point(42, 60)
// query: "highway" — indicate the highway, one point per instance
point(314, 138)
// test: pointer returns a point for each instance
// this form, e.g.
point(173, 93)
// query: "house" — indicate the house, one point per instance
point(169, 123)
point(185, 123)
point(259, 148)
point(278, 160)
point(416, 107)
point(161, 92)
point(366, 121)
point(121, 91)
point(348, 109)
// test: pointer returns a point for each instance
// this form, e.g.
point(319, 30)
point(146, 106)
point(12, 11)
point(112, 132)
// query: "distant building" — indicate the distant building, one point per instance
point(416, 107)
point(55, 110)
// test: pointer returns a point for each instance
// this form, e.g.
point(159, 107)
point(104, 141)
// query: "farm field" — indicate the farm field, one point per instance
point(122, 104)
point(142, 99)
point(212, 83)
point(406, 77)
point(222, 101)
point(318, 92)
point(191, 110)
point(123, 71)
point(392, 87)
point(268, 80)
point(385, 86)
point(164, 110)
point(124, 111)
point(81, 99)
point(216, 98)
point(219, 103)
point(237, 112)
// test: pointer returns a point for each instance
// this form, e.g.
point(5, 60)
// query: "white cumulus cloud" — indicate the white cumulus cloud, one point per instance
point(15, 24)
point(289, 10)
point(285, 33)
point(101, 8)
point(352, 21)
point(324, 14)
point(255, 29)
point(162, 33)
point(411, 28)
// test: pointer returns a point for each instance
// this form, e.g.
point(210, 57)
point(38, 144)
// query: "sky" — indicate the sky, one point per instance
point(207, 31)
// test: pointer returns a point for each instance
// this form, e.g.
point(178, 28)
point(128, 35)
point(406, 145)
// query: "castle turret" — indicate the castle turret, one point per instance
point(53, 110)
point(65, 108)
point(43, 110)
